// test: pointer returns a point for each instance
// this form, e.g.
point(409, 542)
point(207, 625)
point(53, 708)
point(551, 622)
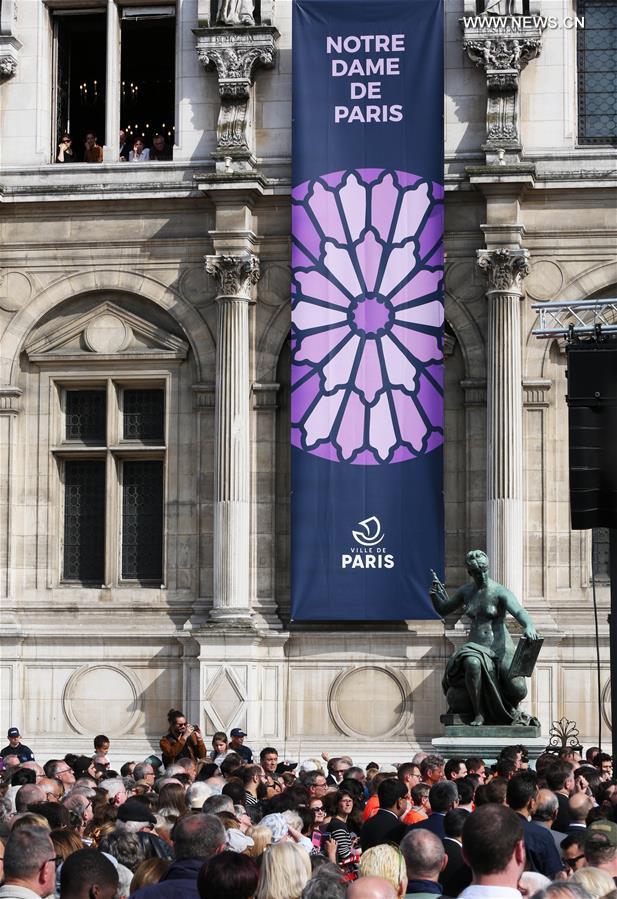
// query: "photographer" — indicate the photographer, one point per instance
point(182, 741)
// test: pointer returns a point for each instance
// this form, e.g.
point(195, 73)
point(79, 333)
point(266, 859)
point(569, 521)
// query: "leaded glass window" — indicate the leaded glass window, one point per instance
point(84, 520)
point(142, 520)
point(144, 415)
point(85, 414)
point(597, 72)
point(111, 459)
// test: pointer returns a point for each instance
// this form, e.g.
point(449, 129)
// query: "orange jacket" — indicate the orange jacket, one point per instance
point(174, 748)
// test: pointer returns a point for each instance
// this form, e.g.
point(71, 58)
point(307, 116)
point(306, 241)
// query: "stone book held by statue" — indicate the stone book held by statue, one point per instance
point(525, 657)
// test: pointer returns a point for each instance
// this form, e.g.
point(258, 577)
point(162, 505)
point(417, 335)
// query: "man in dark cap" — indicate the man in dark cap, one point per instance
point(134, 817)
point(236, 744)
point(16, 747)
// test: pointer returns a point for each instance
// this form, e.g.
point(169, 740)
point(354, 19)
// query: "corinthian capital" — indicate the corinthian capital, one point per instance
point(236, 274)
point(8, 66)
point(505, 269)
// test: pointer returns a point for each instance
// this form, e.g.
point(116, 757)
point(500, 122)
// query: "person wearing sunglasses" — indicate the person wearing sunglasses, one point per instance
point(572, 853)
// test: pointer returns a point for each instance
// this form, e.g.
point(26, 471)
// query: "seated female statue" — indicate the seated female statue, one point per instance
point(477, 682)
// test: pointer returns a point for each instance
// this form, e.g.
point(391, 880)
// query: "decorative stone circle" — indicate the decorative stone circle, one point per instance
point(369, 702)
point(107, 334)
point(113, 711)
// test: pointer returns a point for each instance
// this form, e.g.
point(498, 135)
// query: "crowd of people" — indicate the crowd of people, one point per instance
point(133, 150)
point(223, 823)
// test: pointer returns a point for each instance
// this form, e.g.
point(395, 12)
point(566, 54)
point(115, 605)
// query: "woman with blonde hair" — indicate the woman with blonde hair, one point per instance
point(65, 843)
point(262, 838)
point(285, 870)
point(596, 881)
point(150, 871)
point(385, 861)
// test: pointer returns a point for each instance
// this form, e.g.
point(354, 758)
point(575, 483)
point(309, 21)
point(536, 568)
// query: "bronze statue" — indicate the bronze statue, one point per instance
point(478, 682)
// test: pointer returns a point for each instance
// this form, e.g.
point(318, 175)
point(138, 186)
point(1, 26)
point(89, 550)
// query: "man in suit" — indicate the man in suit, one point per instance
point(540, 848)
point(386, 825)
point(579, 806)
point(425, 858)
point(457, 874)
point(545, 813)
point(560, 779)
point(442, 797)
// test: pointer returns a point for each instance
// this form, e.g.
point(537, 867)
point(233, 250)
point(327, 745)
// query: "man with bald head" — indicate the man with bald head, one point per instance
point(28, 795)
point(425, 858)
point(371, 888)
point(579, 806)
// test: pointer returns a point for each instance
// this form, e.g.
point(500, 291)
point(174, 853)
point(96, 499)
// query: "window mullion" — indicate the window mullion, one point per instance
point(112, 493)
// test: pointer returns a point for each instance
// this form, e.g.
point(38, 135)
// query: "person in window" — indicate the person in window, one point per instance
point(139, 153)
point(124, 147)
point(160, 152)
point(92, 151)
point(65, 149)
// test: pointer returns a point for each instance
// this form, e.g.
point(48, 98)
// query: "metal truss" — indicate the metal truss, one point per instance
point(581, 318)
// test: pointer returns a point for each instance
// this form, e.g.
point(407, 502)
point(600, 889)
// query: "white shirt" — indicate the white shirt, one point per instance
point(475, 891)
point(144, 156)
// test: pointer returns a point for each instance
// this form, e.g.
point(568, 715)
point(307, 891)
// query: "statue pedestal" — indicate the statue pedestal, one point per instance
point(487, 741)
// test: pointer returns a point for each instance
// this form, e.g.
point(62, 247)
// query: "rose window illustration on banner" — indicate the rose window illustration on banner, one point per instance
point(367, 316)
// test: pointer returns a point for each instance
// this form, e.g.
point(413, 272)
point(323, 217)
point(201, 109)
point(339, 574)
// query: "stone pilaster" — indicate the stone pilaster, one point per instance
point(236, 275)
point(502, 46)
point(504, 435)
point(236, 54)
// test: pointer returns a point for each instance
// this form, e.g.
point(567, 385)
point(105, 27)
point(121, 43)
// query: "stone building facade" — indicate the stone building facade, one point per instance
point(144, 376)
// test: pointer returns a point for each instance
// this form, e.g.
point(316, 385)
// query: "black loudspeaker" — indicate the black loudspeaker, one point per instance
point(592, 420)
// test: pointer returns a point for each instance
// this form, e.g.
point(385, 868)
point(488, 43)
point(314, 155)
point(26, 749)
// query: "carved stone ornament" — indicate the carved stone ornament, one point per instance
point(236, 55)
point(236, 274)
point(505, 269)
point(511, 53)
point(8, 67)
point(502, 47)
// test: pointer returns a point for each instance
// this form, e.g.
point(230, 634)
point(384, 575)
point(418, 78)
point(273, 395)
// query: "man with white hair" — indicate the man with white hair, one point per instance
point(197, 794)
point(115, 789)
point(81, 806)
point(145, 771)
point(371, 888)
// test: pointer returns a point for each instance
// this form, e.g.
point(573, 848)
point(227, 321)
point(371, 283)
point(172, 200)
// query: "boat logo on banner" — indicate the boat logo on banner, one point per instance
point(371, 532)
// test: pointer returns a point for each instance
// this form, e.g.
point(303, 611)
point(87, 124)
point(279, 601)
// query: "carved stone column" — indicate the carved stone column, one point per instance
point(236, 54)
point(9, 409)
point(503, 52)
point(236, 274)
point(504, 435)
